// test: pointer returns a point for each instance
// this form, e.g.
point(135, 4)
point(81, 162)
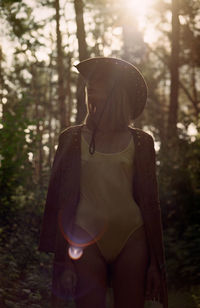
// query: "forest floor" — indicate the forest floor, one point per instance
point(177, 299)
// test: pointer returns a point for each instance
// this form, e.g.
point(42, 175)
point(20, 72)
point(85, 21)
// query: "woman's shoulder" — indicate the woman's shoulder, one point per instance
point(71, 130)
point(140, 133)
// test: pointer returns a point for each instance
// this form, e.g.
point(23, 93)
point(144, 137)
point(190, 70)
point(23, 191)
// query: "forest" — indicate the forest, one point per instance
point(41, 93)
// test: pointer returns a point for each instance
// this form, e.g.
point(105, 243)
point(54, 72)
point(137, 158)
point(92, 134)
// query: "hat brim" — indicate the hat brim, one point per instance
point(126, 73)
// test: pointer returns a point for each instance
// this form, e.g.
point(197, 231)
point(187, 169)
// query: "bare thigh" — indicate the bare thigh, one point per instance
point(91, 273)
point(129, 272)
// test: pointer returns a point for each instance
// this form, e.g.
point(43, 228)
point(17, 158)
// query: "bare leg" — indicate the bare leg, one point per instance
point(91, 273)
point(129, 272)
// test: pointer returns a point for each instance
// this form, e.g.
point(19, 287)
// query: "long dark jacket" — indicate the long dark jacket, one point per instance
point(64, 193)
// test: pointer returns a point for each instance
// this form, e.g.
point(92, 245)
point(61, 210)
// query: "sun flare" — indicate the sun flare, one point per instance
point(141, 9)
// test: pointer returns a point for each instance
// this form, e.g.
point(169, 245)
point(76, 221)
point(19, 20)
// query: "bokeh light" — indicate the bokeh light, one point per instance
point(75, 253)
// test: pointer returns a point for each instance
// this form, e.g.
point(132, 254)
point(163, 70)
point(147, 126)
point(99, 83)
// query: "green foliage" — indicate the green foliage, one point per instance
point(180, 199)
point(15, 167)
point(183, 298)
point(26, 272)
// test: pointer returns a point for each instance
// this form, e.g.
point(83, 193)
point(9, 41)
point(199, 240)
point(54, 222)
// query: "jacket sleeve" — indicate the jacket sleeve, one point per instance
point(154, 220)
point(49, 223)
point(155, 209)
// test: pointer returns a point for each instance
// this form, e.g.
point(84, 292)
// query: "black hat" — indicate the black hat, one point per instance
point(126, 74)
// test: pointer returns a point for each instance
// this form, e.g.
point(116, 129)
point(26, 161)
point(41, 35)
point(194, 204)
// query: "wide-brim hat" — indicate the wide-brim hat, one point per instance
point(126, 74)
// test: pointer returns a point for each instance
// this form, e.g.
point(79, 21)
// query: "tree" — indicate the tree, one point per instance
point(174, 71)
point(83, 54)
point(60, 69)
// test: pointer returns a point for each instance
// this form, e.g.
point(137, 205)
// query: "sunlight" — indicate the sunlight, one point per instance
point(150, 35)
point(140, 7)
point(140, 10)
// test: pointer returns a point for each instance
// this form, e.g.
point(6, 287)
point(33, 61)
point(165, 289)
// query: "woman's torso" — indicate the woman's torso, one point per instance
point(106, 200)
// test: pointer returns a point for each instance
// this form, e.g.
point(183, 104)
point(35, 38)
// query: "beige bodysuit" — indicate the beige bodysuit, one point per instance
point(107, 207)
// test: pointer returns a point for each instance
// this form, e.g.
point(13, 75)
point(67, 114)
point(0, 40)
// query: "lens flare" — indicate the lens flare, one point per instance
point(78, 236)
point(75, 253)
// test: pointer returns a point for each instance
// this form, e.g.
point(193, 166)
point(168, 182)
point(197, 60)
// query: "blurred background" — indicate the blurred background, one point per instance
point(41, 94)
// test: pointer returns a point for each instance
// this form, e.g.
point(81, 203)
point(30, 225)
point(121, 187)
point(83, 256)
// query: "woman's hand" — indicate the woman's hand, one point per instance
point(153, 283)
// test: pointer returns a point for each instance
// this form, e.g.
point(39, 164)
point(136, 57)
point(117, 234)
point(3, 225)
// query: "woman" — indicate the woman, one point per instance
point(103, 197)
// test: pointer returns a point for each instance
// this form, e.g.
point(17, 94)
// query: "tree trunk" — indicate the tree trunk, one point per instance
point(174, 71)
point(50, 102)
point(60, 69)
point(69, 92)
point(83, 54)
point(2, 85)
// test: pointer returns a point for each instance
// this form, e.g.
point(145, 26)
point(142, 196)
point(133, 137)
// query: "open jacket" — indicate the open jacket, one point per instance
point(64, 193)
